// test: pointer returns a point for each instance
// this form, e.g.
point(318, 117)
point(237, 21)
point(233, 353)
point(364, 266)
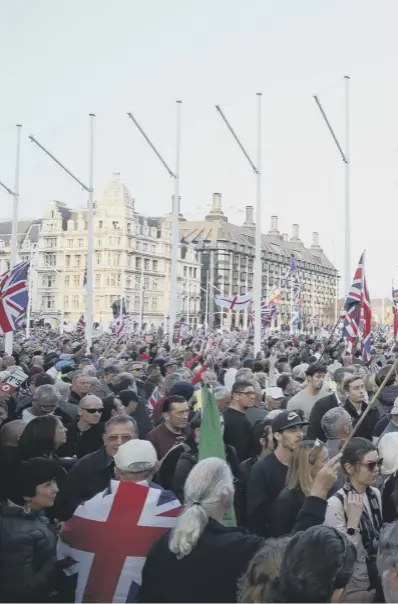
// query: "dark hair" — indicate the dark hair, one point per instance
point(295, 362)
point(318, 346)
point(111, 369)
point(380, 375)
point(127, 397)
point(175, 398)
point(248, 364)
point(42, 379)
point(356, 450)
point(196, 421)
point(283, 380)
point(239, 386)
point(315, 368)
point(306, 574)
point(27, 475)
point(258, 367)
point(109, 406)
point(123, 383)
point(261, 429)
point(37, 439)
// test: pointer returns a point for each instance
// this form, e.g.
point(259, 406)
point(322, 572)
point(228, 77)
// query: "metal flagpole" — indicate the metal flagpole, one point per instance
point(188, 300)
point(61, 327)
point(175, 212)
point(175, 229)
point(345, 155)
point(9, 337)
point(347, 263)
point(90, 221)
point(257, 259)
point(29, 308)
point(291, 304)
point(142, 295)
point(90, 243)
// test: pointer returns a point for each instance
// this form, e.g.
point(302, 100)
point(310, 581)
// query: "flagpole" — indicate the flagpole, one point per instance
point(257, 259)
point(291, 302)
point(347, 188)
point(9, 337)
point(142, 296)
point(90, 244)
point(30, 291)
point(61, 327)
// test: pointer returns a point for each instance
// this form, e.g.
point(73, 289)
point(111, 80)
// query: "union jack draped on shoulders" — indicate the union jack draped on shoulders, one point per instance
point(80, 325)
point(356, 309)
point(14, 296)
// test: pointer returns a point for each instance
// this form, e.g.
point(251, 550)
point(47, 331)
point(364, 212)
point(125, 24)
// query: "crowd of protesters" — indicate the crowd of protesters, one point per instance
point(120, 426)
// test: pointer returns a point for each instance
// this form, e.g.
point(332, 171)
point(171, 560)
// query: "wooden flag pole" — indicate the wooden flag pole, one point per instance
point(394, 367)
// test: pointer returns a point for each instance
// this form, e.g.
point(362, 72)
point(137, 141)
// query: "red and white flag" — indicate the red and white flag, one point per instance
point(108, 538)
point(233, 302)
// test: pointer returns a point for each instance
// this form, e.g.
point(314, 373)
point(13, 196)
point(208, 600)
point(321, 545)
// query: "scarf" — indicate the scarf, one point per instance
point(369, 528)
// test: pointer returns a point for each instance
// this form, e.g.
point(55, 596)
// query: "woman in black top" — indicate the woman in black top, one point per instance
point(309, 458)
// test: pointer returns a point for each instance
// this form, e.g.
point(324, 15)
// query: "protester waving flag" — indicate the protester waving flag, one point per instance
point(211, 442)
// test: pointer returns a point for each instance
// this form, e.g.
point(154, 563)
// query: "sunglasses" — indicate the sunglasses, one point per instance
point(92, 411)
point(372, 465)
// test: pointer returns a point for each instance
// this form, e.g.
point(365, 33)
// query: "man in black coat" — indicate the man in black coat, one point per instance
point(92, 473)
point(84, 435)
point(356, 405)
point(323, 405)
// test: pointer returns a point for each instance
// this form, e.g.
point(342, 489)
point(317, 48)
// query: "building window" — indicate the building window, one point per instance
point(76, 280)
point(75, 302)
point(153, 249)
point(100, 224)
point(66, 279)
point(48, 281)
point(80, 242)
point(146, 282)
point(50, 242)
point(98, 257)
point(66, 302)
point(50, 259)
point(145, 247)
point(154, 303)
point(147, 264)
point(155, 266)
point(138, 263)
point(146, 303)
point(70, 243)
point(2, 244)
point(67, 261)
point(154, 284)
point(195, 270)
point(98, 279)
point(78, 260)
point(49, 302)
point(136, 302)
point(115, 224)
point(129, 227)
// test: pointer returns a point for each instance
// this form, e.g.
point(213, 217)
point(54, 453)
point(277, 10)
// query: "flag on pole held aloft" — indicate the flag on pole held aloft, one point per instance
point(80, 325)
point(211, 443)
point(395, 310)
point(233, 302)
point(14, 296)
point(357, 309)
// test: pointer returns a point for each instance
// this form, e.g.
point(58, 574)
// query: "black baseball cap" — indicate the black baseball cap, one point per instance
point(286, 420)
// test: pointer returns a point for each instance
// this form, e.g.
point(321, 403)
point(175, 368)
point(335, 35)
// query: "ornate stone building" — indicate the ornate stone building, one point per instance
point(227, 259)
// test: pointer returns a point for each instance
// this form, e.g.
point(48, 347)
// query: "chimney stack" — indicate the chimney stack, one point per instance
point(274, 227)
point(249, 222)
point(315, 241)
point(296, 236)
point(285, 237)
point(216, 212)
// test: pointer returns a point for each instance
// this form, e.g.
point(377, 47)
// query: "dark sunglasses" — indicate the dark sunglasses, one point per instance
point(372, 465)
point(92, 411)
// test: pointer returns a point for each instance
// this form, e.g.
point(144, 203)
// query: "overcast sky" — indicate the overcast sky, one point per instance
point(61, 59)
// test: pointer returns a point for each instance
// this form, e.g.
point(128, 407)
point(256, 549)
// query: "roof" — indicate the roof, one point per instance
point(27, 230)
point(218, 231)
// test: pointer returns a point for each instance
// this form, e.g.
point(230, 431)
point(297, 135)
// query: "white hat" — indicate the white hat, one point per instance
point(388, 450)
point(136, 456)
point(274, 392)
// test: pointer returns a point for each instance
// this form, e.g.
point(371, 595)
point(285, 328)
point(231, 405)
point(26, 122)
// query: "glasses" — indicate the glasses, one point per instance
point(92, 411)
point(137, 368)
point(247, 392)
point(372, 465)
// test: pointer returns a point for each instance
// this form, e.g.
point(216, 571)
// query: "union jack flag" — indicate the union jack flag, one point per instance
point(357, 308)
point(395, 310)
point(108, 538)
point(81, 324)
point(14, 297)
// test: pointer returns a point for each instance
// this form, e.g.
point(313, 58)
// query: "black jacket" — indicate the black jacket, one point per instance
point(366, 428)
point(81, 443)
point(208, 574)
point(90, 475)
point(322, 406)
point(386, 399)
point(74, 398)
point(142, 418)
point(27, 555)
point(287, 508)
point(64, 417)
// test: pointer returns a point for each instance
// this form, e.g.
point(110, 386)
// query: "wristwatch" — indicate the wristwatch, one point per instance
point(351, 531)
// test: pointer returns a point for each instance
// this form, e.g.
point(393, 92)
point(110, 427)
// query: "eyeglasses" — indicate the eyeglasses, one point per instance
point(137, 368)
point(92, 411)
point(372, 465)
point(248, 392)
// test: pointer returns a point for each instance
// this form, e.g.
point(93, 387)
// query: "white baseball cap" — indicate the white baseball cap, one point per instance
point(136, 456)
point(274, 392)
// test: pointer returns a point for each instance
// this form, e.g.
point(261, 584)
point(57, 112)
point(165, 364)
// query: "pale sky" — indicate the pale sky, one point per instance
point(62, 59)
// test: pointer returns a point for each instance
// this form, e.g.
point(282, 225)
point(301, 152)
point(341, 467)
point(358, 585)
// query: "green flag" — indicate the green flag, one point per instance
point(211, 443)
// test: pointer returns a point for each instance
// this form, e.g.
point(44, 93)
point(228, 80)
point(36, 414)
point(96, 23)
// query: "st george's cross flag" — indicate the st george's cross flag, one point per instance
point(233, 302)
point(107, 540)
point(14, 296)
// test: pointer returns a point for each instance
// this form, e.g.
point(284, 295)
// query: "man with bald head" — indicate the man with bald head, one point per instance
point(85, 433)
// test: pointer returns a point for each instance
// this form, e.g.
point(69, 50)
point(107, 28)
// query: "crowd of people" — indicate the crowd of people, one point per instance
point(106, 494)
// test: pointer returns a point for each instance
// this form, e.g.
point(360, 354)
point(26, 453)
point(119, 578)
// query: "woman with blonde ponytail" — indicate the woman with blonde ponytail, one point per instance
point(200, 560)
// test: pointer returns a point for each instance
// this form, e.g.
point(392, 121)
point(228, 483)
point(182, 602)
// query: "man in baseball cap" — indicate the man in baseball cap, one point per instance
point(135, 460)
point(268, 476)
